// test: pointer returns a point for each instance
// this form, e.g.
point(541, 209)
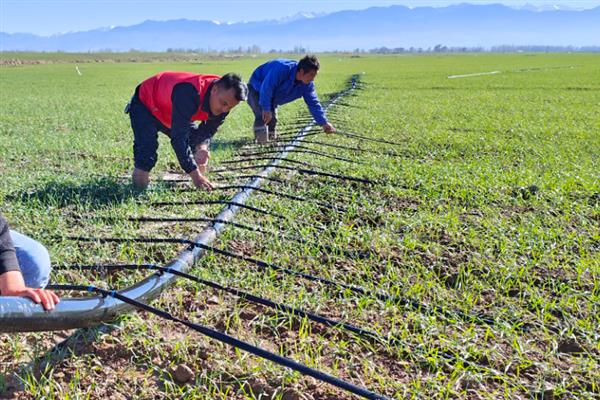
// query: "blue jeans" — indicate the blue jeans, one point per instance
point(34, 260)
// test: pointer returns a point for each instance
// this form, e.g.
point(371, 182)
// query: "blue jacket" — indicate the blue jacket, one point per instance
point(275, 82)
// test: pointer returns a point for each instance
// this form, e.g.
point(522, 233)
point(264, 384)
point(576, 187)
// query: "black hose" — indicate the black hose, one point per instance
point(240, 160)
point(243, 295)
point(263, 264)
point(285, 195)
point(306, 172)
point(230, 340)
point(348, 253)
point(298, 149)
point(213, 202)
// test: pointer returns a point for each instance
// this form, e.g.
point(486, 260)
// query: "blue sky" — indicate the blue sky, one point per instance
point(47, 17)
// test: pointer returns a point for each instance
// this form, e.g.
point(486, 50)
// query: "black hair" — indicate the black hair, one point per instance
point(234, 81)
point(309, 63)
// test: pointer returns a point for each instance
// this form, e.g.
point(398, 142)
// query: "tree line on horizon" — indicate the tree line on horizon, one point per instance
point(439, 48)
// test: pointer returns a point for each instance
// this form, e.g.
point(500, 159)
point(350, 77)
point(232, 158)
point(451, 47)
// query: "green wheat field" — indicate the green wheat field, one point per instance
point(488, 204)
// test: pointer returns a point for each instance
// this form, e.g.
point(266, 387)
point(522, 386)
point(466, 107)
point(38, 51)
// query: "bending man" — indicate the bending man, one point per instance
point(279, 82)
point(187, 107)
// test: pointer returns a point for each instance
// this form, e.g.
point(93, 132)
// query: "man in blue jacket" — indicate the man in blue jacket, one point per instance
point(278, 82)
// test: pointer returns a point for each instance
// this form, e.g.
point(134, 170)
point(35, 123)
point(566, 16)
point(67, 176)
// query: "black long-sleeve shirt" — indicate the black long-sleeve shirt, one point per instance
point(185, 104)
point(8, 254)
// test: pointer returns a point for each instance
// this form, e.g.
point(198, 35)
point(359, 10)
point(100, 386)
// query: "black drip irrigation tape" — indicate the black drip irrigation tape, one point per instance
point(357, 149)
point(192, 219)
point(336, 146)
point(367, 138)
point(232, 203)
point(413, 304)
point(296, 312)
point(230, 340)
point(290, 131)
point(221, 178)
point(228, 178)
point(302, 150)
point(284, 195)
point(344, 104)
point(284, 137)
point(214, 202)
point(290, 184)
point(241, 160)
point(361, 254)
point(305, 172)
point(260, 263)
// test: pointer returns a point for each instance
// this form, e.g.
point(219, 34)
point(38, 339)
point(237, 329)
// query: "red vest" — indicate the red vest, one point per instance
point(155, 93)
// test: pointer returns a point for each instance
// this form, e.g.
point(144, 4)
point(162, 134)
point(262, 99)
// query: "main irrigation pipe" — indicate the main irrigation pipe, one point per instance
point(19, 314)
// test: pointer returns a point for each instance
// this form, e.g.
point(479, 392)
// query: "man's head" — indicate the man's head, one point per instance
point(307, 69)
point(226, 93)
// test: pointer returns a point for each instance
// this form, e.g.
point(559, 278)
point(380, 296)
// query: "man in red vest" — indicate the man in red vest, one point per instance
point(187, 107)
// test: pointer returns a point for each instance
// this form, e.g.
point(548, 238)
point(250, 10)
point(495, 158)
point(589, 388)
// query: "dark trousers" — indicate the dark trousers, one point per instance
point(145, 134)
point(257, 110)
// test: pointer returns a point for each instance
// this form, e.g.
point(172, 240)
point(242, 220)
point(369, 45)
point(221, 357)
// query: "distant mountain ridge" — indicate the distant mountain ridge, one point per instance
point(463, 25)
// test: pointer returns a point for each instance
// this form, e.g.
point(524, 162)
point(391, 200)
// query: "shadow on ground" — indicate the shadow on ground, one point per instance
point(94, 193)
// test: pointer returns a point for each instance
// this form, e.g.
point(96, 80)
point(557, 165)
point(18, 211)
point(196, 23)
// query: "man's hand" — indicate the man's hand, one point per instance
point(202, 155)
point(267, 116)
point(328, 128)
point(11, 284)
point(200, 181)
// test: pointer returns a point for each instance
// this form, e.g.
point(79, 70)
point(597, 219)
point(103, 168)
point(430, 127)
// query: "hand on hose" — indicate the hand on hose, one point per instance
point(12, 284)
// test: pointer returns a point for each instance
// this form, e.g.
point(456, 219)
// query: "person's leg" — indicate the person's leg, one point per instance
point(260, 129)
point(199, 143)
point(140, 178)
point(145, 143)
point(273, 125)
point(34, 260)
